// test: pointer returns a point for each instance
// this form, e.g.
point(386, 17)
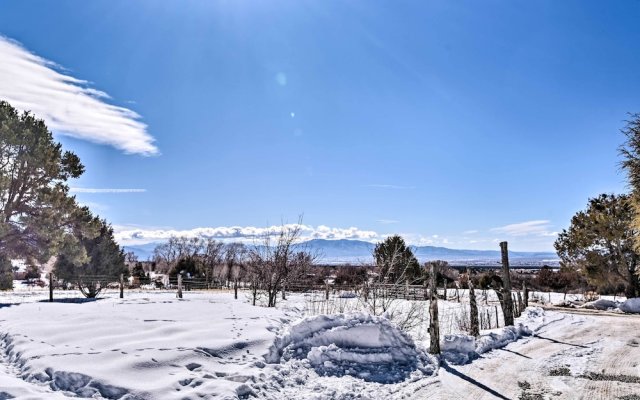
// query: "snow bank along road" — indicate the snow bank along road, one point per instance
point(578, 356)
point(153, 346)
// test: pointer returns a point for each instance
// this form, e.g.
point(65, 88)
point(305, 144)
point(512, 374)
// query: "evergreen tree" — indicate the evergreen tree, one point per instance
point(630, 152)
point(396, 262)
point(35, 205)
point(6, 273)
point(599, 244)
point(91, 261)
point(138, 272)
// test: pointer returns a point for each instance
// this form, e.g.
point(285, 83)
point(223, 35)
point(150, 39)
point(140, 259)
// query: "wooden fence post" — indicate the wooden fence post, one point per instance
point(507, 301)
point(497, 317)
point(475, 329)
point(50, 287)
point(525, 294)
point(122, 286)
point(445, 289)
point(434, 326)
point(520, 303)
point(179, 294)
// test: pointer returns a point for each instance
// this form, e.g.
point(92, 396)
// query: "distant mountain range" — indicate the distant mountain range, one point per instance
point(360, 252)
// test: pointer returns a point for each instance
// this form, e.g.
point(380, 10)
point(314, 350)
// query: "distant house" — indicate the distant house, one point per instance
point(19, 268)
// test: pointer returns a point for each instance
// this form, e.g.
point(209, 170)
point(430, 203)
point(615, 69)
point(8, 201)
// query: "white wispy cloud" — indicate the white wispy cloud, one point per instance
point(106, 190)
point(384, 186)
point(387, 221)
point(127, 236)
point(470, 232)
point(68, 106)
point(527, 228)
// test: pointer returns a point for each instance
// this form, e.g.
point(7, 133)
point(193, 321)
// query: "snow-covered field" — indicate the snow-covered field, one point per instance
point(151, 345)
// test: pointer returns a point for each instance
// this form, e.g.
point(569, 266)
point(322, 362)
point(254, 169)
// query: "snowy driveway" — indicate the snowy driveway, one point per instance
point(580, 356)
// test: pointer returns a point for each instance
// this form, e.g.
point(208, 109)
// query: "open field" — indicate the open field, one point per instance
point(151, 345)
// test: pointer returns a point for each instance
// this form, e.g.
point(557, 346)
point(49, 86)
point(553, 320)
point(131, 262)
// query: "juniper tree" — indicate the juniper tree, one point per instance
point(630, 152)
point(91, 260)
point(396, 262)
point(35, 205)
point(599, 243)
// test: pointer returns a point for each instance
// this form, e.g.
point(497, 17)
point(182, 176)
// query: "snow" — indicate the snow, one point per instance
point(602, 304)
point(461, 348)
point(151, 345)
point(360, 345)
point(631, 306)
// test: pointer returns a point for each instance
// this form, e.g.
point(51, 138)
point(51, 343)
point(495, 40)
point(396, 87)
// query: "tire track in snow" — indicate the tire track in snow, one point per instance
point(580, 342)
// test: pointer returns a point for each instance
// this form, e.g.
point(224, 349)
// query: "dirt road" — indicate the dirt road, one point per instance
point(578, 355)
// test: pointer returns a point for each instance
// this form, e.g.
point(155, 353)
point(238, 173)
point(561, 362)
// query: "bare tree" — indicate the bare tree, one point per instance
point(166, 255)
point(211, 257)
point(179, 249)
point(234, 259)
point(275, 262)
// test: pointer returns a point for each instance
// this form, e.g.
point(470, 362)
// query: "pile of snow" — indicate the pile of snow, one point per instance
point(460, 348)
point(602, 304)
point(359, 345)
point(631, 305)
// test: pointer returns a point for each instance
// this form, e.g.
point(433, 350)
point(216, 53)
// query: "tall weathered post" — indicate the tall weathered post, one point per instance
point(179, 294)
point(434, 326)
point(475, 328)
point(122, 286)
point(525, 294)
point(507, 301)
point(50, 286)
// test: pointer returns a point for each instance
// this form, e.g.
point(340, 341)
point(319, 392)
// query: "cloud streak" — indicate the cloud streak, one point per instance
point(95, 190)
point(528, 228)
point(387, 221)
point(67, 104)
point(384, 186)
point(128, 236)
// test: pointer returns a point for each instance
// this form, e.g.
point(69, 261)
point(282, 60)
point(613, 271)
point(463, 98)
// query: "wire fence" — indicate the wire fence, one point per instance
point(406, 305)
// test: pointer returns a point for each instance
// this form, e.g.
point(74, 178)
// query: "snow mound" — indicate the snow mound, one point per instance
point(601, 304)
point(359, 345)
point(461, 348)
point(631, 305)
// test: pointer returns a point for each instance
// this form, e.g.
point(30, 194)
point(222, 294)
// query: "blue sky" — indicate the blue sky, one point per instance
point(453, 123)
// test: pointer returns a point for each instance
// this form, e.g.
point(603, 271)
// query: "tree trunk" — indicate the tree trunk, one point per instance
point(179, 294)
